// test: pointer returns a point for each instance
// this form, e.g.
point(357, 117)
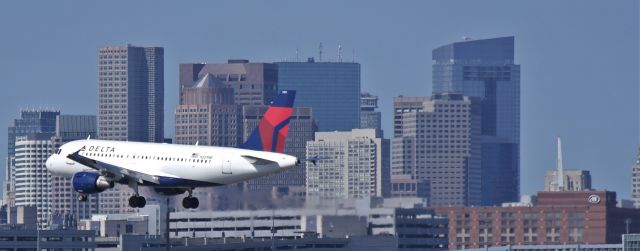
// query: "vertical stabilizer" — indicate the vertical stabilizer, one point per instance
point(271, 133)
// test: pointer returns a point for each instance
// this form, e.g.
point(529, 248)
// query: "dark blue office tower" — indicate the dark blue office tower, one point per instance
point(485, 69)
point(31, 121)
point(331, 89)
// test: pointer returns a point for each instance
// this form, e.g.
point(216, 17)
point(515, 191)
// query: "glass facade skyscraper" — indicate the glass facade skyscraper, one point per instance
point(485, 69)
point(369, 116)
point(131, 93)
point(31, 121)
point(331, 89)
point(75, 127)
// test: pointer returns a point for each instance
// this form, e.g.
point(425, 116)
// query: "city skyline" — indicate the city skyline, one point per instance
point(578, 118)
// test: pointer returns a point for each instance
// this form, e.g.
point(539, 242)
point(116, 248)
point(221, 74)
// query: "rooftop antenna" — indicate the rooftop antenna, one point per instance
point(320, 58)
point(340, 53)
point(560, 167)
point(354, 55)
point(297, 55)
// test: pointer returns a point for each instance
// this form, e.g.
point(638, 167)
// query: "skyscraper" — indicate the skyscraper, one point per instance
point(130, 105)
point(30, 121)
point(75, 127)
point(252, 83)
point(31, 178)
point(485, 69)
point(331, 89)
point(402, 104)
point(131, 93)
point(574, 180)
point(207, 114)
point(369, 116)
point(351, 165)
point(438, 144)
point(63, 198)
point(562, 180)
point(635, 182)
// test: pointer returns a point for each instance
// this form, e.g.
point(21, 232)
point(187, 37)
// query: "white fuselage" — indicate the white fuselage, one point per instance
point(193, 165)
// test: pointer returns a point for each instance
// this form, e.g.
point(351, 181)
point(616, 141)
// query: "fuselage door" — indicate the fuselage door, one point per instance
point(226, 166)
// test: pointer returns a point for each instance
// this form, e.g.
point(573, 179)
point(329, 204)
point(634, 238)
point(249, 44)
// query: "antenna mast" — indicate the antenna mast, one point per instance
point(320, 48)
point(560, 167)
point(340, 53)
point(354, 55)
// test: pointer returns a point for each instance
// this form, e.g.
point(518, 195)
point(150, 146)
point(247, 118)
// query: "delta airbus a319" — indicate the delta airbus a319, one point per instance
point(96, 165)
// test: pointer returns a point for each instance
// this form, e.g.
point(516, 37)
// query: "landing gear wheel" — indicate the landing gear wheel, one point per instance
point(194, 202)
point(190, 202)
point(137, 201)
point(141, 202)
point(82, 197)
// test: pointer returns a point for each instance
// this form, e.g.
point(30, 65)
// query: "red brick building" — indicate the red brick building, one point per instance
point(586, 217)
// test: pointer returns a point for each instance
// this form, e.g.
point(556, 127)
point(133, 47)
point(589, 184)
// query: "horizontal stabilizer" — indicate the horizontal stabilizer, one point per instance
point(313, 160)
point(258, 161)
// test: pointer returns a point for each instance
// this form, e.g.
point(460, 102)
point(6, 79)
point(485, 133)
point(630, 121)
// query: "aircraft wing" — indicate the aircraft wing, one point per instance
point(117, 171)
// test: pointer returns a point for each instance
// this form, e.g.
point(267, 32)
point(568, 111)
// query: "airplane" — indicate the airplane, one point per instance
point(171, 169)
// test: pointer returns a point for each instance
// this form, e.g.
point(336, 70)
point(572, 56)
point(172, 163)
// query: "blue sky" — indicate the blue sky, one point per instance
point(579, 59)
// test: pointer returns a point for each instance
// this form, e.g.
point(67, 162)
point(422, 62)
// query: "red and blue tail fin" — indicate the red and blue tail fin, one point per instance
point(272, 130)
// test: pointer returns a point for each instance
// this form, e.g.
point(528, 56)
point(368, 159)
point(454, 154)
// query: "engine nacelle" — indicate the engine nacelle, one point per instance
point(87, 183)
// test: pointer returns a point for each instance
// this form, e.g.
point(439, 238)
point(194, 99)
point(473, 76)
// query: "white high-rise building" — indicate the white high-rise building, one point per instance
point(32, 180)
point(635, 182)
point(350, 165)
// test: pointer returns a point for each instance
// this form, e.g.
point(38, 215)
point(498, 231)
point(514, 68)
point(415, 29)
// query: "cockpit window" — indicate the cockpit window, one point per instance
point(59, 151)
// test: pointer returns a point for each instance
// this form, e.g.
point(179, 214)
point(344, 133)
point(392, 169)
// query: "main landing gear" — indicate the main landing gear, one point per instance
point(136, 201)
point(190, 202)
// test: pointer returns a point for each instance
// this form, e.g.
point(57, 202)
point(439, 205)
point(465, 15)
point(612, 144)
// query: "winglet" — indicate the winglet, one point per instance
point(89, 137)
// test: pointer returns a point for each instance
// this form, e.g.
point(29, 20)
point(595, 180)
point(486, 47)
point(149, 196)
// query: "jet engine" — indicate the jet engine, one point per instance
point(88, 183)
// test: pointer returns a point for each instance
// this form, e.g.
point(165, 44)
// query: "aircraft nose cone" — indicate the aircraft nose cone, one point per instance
point(48, 162)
